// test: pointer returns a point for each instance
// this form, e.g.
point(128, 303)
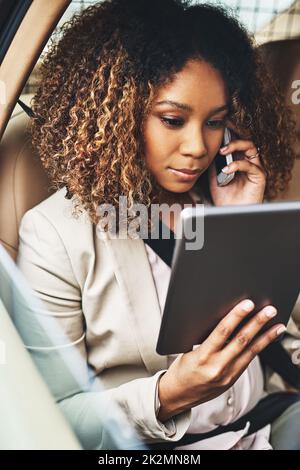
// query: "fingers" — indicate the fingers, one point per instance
point(245, 336)
point(253, 171)
point(238, 145)
point(226, 327)
point(246, 146)
point(252, 155)
point(258, 345)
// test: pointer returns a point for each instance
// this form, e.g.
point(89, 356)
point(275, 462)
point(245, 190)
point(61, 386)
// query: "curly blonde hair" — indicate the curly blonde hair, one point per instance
point(97, 84)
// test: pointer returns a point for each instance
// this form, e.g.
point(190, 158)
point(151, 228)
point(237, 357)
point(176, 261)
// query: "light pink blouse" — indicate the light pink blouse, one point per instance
point(229, 406)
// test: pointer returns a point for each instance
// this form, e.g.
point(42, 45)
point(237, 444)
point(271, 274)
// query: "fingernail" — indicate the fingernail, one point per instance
point(270, 311)
point(226, 169)
point(281, 330)
point(247, 305)
point(223, 149)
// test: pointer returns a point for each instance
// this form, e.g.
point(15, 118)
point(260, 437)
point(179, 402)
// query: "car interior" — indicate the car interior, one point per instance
point(23, 182)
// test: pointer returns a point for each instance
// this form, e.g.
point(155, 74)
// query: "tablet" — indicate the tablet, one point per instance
point(247, 252)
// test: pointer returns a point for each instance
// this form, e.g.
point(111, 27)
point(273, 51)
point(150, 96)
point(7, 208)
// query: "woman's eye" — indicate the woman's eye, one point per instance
point(172, 122)
point(216, 124)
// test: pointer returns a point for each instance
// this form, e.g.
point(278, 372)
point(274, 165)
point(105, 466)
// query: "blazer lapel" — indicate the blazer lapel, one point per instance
point(134, 275)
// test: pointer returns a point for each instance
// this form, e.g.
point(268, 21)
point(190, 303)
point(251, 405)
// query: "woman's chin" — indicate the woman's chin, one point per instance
point(178, 188)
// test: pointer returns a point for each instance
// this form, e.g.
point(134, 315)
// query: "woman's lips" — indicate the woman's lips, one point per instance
point(185, 174)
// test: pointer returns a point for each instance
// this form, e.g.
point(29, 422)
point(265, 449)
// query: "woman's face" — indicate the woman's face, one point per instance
point(185, 126)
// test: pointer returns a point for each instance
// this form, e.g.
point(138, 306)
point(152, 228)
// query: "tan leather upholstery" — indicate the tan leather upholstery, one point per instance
point(23, 182)
point(27, 45)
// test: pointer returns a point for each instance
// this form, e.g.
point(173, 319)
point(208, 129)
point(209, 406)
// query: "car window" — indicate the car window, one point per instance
point(267, 20)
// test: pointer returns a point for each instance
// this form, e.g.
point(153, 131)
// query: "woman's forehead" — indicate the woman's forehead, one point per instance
point(197, 85)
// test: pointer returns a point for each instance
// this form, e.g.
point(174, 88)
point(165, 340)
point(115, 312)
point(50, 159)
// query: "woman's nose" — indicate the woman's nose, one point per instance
point(194, 145)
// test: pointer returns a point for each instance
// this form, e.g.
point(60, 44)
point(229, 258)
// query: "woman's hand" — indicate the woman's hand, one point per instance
point(213, 367)
point(248, 185)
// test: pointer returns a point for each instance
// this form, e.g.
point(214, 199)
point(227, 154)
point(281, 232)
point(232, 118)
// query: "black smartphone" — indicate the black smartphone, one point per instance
point(221, 161)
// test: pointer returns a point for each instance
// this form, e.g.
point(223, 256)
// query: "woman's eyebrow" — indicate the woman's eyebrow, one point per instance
point(175, 104)
point(186, 107)
point(224, 107)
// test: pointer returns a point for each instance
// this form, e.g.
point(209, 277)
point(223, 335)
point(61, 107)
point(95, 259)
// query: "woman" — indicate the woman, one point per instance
point(134, 101)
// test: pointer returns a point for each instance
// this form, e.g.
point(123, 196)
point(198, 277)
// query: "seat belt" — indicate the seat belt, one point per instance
point(26, 108)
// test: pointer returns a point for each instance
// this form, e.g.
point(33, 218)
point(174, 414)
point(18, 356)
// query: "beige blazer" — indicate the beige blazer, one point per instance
point(102, 294)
